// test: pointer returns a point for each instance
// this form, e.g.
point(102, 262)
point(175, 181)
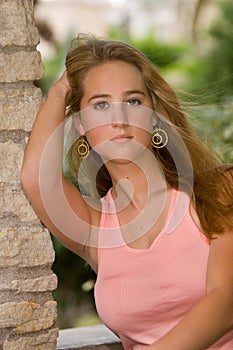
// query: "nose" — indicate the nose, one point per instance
point(119, 115)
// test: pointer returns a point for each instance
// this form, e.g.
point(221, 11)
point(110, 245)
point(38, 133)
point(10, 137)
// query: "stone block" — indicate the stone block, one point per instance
point(28, 316)
point(19, 106)
point(42, 341)
point(39, 284)
point(20, 66)
point(25, 246)
point(14, 202)
point(11, 158)
point(17, 27)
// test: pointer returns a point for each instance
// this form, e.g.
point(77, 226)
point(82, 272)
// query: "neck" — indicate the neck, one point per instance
point(136, 182)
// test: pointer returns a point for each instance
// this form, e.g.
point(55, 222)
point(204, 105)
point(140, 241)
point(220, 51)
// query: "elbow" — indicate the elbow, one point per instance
point(29, 180)
point(33, 181)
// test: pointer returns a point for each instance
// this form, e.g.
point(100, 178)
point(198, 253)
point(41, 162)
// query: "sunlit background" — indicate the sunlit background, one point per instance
point(191, 44)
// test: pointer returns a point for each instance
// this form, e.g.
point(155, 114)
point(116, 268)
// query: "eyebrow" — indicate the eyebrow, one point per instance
point(98, 96)
point(127, 93)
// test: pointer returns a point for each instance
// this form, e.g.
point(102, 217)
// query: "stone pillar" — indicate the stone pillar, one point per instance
point(27, 309)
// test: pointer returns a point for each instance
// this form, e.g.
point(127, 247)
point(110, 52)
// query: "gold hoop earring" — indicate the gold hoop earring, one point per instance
point(82, 147)
point(159, 138)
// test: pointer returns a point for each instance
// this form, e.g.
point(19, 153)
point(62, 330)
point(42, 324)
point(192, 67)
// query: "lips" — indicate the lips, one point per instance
point(121, 138)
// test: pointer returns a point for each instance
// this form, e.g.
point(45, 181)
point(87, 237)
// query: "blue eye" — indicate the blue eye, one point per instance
point(133, 102)
point(100, 106)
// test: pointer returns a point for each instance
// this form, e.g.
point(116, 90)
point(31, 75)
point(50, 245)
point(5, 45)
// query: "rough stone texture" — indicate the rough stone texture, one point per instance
point(25, 246)
point(27, 311)
point(39, 284)
point(22, 246)
point(27, 316)
point(13, 67)
point(17, 26)
point(19, 106)
point(43, 341)
point(13, 200)
point(11, 156)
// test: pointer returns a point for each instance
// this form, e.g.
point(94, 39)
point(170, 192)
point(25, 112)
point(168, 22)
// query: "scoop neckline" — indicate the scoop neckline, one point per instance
point(159, 235)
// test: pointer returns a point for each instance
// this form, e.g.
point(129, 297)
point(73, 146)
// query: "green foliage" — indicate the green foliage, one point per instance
point(215, 123)
point(160, 54)
point(212, 72)
point(209, 76)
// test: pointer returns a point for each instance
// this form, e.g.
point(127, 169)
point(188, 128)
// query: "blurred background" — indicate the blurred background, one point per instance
point(191, 44)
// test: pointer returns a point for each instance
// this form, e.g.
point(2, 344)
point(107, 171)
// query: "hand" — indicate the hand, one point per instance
point(64, 81)
point(61, 87)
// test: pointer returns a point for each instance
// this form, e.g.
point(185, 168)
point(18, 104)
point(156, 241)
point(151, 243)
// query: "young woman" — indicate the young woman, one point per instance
point(149, 207)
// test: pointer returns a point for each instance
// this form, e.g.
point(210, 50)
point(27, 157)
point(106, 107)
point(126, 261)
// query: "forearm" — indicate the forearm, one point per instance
point(207, 322)
point(49, 118)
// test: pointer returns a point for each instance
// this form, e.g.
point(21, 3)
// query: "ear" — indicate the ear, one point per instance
point(78, 124)
point(155, 119)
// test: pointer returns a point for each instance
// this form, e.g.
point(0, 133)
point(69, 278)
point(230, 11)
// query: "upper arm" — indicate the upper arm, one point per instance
point(64, 212)
point(220, 265)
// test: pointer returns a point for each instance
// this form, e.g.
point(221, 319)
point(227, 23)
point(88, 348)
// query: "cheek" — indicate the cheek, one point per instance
point(142, 136)
point(96, 135)
point(145, 139)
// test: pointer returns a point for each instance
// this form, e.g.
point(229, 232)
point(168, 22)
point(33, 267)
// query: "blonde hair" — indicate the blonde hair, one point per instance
point(212, 182)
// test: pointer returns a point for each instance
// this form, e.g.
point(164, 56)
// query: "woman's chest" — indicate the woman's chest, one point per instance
point(152, 283)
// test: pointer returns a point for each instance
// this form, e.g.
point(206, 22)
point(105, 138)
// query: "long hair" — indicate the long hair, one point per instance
point(212, 181)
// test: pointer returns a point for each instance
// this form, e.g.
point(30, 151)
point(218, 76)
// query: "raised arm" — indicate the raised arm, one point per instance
point(57, 202)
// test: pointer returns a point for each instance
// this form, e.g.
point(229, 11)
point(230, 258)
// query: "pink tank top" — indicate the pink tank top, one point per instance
point(141, 294)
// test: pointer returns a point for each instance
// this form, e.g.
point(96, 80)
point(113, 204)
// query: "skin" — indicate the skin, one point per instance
point(212, 317)
point(129, 89)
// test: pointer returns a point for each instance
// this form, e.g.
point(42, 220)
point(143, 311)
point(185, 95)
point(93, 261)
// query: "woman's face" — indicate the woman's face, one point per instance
point(116, 110)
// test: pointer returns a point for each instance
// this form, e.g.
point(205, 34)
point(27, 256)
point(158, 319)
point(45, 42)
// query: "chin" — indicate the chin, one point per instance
point(121, 153)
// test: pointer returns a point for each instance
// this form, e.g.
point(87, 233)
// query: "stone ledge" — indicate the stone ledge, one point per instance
point(99, 337)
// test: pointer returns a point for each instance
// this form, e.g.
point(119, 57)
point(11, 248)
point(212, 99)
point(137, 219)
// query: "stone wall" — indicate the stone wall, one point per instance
point(27, 309)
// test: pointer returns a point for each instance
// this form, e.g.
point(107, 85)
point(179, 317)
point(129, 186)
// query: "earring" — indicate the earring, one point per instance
point(159, 138)
point(82, 147)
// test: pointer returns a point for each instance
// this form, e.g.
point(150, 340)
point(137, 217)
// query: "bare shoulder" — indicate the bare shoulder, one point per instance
point(222, 244)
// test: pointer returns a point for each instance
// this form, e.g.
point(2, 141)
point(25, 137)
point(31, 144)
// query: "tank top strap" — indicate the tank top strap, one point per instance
point(109, 232)
point(179, 208)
